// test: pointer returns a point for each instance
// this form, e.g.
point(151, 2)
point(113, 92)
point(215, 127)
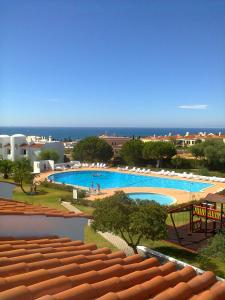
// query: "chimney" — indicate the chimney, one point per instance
point(187, 134)
point(219, 133)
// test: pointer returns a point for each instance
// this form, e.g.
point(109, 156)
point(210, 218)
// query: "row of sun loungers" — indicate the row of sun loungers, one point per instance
point(92, 165)
point(78, 165)
point(172, 173)
point(134, 170)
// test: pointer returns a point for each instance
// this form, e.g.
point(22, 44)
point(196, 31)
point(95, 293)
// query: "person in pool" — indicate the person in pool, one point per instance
point(96, 175)
point(98, 188)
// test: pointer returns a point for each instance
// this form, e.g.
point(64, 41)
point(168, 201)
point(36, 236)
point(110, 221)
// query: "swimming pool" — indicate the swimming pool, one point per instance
point(110, 179)
point(161, 199)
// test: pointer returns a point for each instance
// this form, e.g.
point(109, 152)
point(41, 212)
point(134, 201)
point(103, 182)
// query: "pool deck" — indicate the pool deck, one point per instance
point(179, 196)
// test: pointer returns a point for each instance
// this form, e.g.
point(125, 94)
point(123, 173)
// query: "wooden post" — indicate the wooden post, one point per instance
point(191, 218)
point(221, 216)
point(206, 219)
point(175, 228)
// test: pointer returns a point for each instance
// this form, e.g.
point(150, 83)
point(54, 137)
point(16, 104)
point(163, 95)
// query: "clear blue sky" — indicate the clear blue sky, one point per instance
point(153, 63)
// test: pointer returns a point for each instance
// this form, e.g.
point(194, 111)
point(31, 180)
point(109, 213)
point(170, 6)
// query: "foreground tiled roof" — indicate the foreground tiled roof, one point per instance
point(61, 269)
point(11, 207)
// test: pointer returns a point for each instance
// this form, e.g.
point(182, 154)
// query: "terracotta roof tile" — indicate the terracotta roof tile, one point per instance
point(52, 268)
point(12, 207)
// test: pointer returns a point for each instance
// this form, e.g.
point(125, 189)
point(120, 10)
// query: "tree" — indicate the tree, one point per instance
point(92, 149)
point(177, 161)
point(159, 151)
point(132, 220)
point(197, 150)
point(213, 151)
point(49, 154)
point(6, 167)
point(131, 152)
point(215, 155)
point(22, 172)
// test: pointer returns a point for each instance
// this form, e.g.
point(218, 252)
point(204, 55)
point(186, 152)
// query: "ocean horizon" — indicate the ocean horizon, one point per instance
point(82, 132)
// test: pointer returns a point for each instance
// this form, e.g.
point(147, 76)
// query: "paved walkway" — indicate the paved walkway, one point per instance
point(113, 239)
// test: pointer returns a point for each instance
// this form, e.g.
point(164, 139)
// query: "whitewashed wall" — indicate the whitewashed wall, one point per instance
point(43, 165)
point(29, 226)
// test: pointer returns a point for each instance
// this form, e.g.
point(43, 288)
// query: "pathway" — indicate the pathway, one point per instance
point(113, 239)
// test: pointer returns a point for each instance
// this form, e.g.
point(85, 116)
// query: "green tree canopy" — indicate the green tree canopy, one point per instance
point(131, 152)
point(6, 167)
point(22, 172)
point(49, 154)
point(132, 220)
point(92, 149)
point(213, 151)
point(197, 150)
point(159, 151)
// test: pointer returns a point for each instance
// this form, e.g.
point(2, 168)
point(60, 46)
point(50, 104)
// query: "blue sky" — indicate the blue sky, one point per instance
point(112, 63)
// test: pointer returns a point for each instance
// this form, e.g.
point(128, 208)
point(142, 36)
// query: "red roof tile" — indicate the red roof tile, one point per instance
point(36, 145)
point(54, 268)
point(11, 207)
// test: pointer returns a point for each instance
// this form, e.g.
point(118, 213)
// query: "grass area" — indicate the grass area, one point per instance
point(180, 218)
point(85, 209)
point(211, 264)
point(45, 197)
point(90, 236)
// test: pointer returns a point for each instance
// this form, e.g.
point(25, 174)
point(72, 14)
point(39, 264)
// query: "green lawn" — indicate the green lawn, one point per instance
point(90, 236)
point(85, 209)
point(170, 249)
point(45, 197)
point(180, 218)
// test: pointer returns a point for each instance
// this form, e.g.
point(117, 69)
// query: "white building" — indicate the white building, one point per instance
point(16, 147)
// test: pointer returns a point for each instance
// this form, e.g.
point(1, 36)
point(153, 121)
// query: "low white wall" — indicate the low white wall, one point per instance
point(43, 165)
point(6, 190)
point(39, 226)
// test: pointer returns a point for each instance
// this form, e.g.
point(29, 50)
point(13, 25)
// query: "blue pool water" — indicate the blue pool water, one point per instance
point(161, 199)
point(109, 179)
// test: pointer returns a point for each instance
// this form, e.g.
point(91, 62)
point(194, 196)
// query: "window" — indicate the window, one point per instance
point(23, 151)
point(8, 151)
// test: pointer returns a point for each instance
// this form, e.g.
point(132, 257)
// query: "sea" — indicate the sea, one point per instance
point(76, 133)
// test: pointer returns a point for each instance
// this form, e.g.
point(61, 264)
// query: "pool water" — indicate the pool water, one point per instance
point(161, 199)
point(109, 179)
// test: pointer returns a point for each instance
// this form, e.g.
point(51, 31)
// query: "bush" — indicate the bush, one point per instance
point(215, 247)
point(82, 201)
point(62, 187)
point(182, 163)
point(203, 172)
point(56, 186)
